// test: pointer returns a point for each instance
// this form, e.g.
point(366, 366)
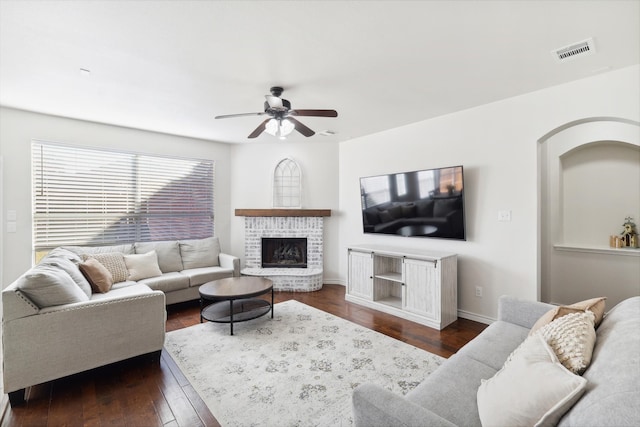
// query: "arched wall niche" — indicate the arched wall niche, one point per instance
point(589, 181)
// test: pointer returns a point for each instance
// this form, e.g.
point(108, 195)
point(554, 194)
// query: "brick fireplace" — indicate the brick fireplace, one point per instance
point(285, 225)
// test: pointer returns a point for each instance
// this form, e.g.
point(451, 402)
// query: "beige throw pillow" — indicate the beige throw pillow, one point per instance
point(531, 389)
point(572, 338)
point(114, 262)
point(97, 274)
point(142, 266)
point(595, 305)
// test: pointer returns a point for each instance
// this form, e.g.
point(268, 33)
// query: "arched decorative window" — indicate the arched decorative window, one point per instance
point(287, 185)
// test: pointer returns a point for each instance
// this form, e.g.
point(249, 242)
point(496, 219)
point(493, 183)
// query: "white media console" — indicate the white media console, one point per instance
point(421, 286)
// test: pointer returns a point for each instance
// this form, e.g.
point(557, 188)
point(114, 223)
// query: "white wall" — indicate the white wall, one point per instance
point(252, 168)
point(18, 128)
point(497, 144)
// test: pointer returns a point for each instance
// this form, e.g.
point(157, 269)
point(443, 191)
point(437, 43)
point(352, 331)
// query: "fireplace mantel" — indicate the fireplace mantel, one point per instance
point(283, 212)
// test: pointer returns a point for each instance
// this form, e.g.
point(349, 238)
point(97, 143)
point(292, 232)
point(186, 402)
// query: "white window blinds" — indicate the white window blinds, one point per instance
point(85, 196)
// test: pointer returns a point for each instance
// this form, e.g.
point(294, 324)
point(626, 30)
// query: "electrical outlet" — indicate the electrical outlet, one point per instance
point(504, 215)
point(479, 291)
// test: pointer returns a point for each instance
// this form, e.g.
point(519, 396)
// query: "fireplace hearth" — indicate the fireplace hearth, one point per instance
point(284, 252)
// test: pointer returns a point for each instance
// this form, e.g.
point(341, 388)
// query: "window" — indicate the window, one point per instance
point(287, 185)
point(84, 196)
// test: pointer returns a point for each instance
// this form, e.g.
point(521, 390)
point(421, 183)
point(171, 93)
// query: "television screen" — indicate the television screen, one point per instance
point(425, 203)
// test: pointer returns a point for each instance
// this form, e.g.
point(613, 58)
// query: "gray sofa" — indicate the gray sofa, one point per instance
point(54, 324)
point(448, 397)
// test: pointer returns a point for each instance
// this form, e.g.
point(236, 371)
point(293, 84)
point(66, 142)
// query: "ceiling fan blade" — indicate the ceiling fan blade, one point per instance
point(315, 113)
point(274, 101)
point(303, 129)
point(228, 116)
point(259, 129)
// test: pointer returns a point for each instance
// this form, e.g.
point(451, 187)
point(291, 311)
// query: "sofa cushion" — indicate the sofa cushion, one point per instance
point(395, 212)
point(372, 216)
point(47, 285)
point(200, 276)
point(409, 210)
point(142, 266)
point(595, 305)
point(612, 394)
point(114, 262)
point(495, 344)
point(167, 282)
point(572, 338)
point(200, 253)
point(533, 388)
point(457, 380)
point(425, 208)
point(443, 207)
point(66, 264)
point(169, 258)
point(97, 274)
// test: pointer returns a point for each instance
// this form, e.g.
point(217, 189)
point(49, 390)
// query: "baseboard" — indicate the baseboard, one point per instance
point(4, 405)
point(333, 282)
point(475, 317)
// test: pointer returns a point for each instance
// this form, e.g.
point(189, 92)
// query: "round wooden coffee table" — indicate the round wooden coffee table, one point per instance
point(233, 299)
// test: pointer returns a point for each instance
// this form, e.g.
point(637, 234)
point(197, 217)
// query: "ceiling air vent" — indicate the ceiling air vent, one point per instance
point(583, 48)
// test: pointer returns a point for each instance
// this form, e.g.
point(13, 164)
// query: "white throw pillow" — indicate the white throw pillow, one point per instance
point(168, 252)
point(142, 266)
point(572, 338)
point(531, 389)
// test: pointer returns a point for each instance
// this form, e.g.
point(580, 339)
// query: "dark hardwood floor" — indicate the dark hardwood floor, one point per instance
point(147, 392)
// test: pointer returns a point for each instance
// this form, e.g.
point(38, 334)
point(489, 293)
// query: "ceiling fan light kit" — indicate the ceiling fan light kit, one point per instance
point(279, 128)
point(281, 123)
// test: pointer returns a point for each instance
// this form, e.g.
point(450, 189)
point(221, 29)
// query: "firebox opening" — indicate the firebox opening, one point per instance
point(284, 252)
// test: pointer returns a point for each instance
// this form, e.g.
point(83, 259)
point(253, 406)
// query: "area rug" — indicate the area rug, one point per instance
point(297, 369)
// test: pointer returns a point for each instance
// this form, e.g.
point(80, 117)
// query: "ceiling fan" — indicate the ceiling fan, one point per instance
point(281, 121)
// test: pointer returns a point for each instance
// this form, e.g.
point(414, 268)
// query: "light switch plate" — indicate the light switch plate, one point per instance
point(11, 227)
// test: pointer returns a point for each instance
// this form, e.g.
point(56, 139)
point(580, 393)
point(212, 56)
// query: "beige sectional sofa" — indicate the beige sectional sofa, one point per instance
point(57, 321)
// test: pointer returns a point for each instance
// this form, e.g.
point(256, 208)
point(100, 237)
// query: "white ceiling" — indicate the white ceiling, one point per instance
point(171, 66)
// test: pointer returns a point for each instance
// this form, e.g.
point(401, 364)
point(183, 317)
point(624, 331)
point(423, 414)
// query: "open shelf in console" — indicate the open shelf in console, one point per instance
point(387, 280)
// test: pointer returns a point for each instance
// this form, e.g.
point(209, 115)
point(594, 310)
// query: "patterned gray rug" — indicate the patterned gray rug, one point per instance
point(297, 369)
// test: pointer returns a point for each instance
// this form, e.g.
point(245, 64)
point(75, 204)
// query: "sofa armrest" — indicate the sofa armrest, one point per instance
point(521, 312)
point(67, 339)
point(376, 406)
point(230, 261)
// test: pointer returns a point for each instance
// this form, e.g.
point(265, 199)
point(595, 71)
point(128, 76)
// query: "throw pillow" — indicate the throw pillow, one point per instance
point(200, 253)
point(142, 266)
point(47, 286)
point(572, 338)
point(595, 305)
point(97, 275)
point(169, 259)
point(71, 268)
point(114, 262)
point(532, 388)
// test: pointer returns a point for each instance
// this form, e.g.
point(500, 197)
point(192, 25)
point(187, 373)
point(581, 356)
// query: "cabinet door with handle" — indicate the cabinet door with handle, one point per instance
point(422, 287)
point(360, 274)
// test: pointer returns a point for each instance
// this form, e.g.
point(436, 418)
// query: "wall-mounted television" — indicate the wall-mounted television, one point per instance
point(424, 203)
